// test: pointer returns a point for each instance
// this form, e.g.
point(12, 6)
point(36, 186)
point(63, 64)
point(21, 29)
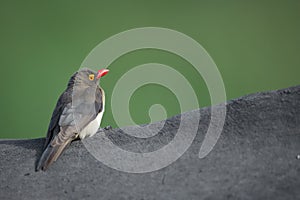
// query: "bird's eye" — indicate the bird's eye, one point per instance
point(91, 77)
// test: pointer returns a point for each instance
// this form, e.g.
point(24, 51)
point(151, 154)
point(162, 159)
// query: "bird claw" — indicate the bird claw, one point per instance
point(105, 128)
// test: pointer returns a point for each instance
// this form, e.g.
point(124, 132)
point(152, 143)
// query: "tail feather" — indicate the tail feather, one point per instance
point(50, 154)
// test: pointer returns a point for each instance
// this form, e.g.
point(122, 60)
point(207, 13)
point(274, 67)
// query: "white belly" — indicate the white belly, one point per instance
point(92, 127)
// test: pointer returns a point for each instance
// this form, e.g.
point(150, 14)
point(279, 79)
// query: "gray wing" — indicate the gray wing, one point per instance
point(78, 115)
point(54, 128)
point(67, 120)
point(57, 138)
point(84, 108)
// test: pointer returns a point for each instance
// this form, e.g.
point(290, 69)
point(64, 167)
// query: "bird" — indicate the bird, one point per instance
point(77, 114)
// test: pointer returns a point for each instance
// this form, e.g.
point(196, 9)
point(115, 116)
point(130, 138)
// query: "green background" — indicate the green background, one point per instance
point(255, 44)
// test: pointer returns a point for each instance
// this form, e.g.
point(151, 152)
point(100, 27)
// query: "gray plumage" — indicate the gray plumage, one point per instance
point(76, 108)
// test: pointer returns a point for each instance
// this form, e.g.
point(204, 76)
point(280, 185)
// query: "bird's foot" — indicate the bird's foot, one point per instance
point(108, 127)
point(105, 128)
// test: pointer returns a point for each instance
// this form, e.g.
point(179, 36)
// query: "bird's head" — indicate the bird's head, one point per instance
point(88, 76)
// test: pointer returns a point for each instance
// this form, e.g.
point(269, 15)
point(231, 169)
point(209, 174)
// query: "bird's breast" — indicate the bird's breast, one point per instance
point(92, 127)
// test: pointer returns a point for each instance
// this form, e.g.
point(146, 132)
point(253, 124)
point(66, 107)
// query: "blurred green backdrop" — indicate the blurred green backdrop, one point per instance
point(255, 44)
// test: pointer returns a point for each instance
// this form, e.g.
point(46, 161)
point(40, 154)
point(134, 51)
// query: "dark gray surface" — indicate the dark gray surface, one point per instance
point(255, 158)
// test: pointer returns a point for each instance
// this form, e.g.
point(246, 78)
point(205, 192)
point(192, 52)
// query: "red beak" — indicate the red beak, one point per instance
point(102, 72)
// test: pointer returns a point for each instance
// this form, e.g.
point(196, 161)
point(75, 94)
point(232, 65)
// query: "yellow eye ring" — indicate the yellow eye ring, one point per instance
point(91, 77)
